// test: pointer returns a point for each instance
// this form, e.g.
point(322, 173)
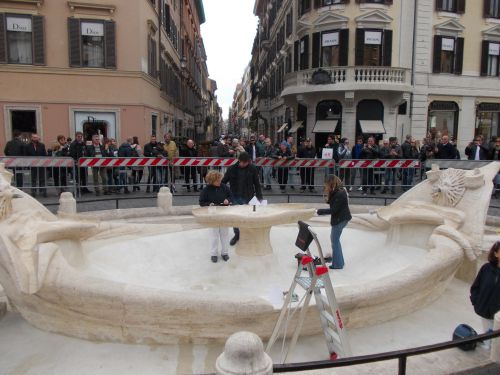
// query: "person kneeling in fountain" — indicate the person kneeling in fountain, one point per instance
point(217, 194)
point(336, 197)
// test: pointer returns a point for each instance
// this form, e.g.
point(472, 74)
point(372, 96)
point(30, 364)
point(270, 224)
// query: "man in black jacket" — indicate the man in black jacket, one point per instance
point(189, 151)
point(15, 147)
point(77, 151)
point(370, 151)
point(307, 173)
point(37, 149)
point(477, 151)
point(153, 149)
point(97, 150)
point(445, 149)
point(244, 182)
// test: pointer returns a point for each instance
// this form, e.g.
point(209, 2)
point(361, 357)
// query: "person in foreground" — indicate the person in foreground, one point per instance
point(485, 291)
point(217, 194)
point(336, 197)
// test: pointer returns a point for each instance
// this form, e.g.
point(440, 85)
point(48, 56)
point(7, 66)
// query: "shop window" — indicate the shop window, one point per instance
point(443, 118)
point(448, 54)
point(22, 39)
point(373, 47)
point(92, 43)
point(491, 9)
point(488, 118)
point(489, 59)
point(453, 6)
point(23, 122)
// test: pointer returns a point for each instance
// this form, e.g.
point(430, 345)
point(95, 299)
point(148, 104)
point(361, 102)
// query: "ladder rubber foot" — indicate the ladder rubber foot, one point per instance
point(321, 270)
point(306, 260)
point(333, 356)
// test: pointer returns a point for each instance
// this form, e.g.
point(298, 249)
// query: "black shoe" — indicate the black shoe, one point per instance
point(234, 240)
point(127, 191)
point(188, 189)
point(44, 194)
point(214, 259)
point(383, 191)
point(148, 190)
point(332, 267)
point(225, 257)
point(196, 189)
point(328, 259)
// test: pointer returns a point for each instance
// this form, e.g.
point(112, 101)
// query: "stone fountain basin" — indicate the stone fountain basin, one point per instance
point(163, 288)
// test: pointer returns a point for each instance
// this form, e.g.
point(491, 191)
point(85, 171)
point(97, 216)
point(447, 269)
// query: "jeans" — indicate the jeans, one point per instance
point(408, 178)
point(338, 257)
point(267, 175)
point(38, 175)
point(238, 201)
point(390, 179)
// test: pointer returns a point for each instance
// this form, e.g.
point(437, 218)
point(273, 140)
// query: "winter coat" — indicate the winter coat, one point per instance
point(409, 151)
point(215, 195)
point(170, 150)
point(446, 151)
point(90, 151)
point(14, 147)
point(125, 150)
point(344, 152)
point(339, 207)
point(77, 149)
point(153, 150)
point(370, 153)
point(30, 149)
point(484, 153)
point(244, 182)
point(307, 153)
point(485, 291)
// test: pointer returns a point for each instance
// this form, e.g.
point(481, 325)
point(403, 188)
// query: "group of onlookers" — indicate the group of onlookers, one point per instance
point(114, 180)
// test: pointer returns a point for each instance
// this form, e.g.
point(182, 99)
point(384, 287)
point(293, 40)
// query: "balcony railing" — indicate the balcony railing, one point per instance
point(349, 78)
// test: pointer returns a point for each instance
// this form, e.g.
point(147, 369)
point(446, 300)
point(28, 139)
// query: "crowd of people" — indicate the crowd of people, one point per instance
point(107, 180)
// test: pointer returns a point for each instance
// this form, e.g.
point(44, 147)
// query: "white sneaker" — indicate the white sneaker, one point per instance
point(360, 189)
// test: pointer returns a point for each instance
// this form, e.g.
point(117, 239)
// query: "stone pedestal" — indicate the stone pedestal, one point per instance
point(495, 343)
point(67, 204)
point(165, 199)
point(254, 242)
point(244, 354)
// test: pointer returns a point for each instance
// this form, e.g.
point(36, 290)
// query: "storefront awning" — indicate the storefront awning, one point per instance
point(295, 127)
point(372, 127)
point(283, 127)
point(325, 126)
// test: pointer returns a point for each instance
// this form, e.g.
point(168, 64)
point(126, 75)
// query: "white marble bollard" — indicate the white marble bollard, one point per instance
point(67, 204)
point(165, 199)
point(244, 355)
point(495, 343)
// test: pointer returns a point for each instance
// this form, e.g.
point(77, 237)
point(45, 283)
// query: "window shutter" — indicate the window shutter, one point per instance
point(459, 55)
point(38, 41)
point(110, 44)
point(439, 4)
point(317, 3)
point(3, 49)
point(484, 58)
point(360, 44)
point(460, 6)
point(316, 50)
point(75, 53)
point(305, 64)
point(486, 8)
point(388, 2)
point(343, 47)
point(387, 48)
point(296, 47)
point(436, 63)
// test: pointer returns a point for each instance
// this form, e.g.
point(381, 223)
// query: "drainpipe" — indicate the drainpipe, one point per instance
point(158, 58)
point(413, 60)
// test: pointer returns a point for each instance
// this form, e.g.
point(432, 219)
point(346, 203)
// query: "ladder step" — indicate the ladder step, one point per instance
point(323, 299)
point(334, 336)
point(305, 282)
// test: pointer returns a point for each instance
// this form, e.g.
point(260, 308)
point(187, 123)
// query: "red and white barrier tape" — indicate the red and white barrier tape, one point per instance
point(123, 162)
point(39, 162)
point(404, 164)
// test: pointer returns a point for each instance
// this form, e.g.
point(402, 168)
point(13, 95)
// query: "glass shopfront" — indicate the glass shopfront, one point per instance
point(443, 118)
point(487, 119)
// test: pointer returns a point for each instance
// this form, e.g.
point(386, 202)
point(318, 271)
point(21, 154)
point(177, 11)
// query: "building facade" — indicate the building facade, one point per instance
point(118, 68)
point(381, 67)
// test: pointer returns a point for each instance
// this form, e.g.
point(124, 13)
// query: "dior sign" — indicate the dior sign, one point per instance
point(92, 29)
point(19, 24)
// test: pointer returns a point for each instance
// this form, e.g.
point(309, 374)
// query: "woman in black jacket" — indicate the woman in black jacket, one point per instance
point(485, 291)
point(217, 194)
point(336, 197)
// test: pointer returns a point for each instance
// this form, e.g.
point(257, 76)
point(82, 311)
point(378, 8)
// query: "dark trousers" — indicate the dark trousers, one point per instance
point(190, 174)
point(81, 177)
point(282, 177)
point(137, 177)
point(368, 179)
point(38, 179)
point(18, 176)
point(346, 176)
point(60, 178)
point(153, 179)
point(238, 201)
point(307, 178)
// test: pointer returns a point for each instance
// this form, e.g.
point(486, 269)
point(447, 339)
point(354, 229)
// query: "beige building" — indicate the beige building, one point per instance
point(120, 68)
point(381, 67)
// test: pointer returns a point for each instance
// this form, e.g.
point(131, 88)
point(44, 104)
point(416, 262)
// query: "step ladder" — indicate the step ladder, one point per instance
point(317, 281)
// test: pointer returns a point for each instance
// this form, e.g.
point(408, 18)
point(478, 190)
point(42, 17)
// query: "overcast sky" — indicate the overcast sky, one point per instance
point(228, 35)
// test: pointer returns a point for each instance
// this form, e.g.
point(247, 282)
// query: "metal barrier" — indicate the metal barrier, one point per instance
point(459, 164)
point(44, 173)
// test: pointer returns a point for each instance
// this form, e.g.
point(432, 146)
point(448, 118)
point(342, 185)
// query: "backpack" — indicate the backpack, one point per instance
point(464, 331)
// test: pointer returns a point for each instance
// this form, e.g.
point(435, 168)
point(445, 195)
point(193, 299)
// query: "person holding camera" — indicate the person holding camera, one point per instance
point(61, 150)
point(153, 149)
point(217, 194)
point(390, 151)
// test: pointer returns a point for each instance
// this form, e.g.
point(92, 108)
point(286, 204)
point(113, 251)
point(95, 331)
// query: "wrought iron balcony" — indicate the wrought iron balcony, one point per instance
point(347, 78)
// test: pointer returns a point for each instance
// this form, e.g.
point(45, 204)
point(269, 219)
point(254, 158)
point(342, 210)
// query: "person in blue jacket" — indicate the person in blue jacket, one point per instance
point(485, 291)
point(336, 197)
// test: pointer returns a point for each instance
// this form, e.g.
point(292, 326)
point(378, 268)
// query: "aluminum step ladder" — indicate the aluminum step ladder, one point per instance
point(316, 282)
